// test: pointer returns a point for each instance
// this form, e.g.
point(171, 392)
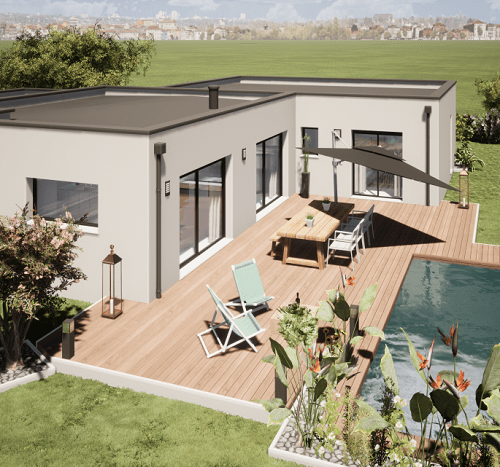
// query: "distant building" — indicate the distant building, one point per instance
point(174, 15)
point(155, 32)
point(73, 22)
point(242, 16)
point(383, 19)
point(161, 15)
point(477, 30)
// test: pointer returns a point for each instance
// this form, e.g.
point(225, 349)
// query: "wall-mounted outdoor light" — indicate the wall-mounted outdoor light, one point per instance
point(463, 187)
point(112, 307)
point(167, 188)
point(337, 133)
point(244, 154)
point(68, 338)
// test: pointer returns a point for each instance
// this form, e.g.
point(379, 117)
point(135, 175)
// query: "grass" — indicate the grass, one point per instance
point(64, 420)
point(484, 189)
point(461, 61)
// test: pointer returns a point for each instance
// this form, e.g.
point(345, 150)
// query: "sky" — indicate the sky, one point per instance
point(286, 10)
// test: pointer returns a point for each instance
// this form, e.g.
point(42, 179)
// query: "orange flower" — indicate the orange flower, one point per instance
point(436, 384)
point(423, 362)
point(316, 367)
point(461, 384)
point(426, 361)
point(447, 339)
point(350, 281)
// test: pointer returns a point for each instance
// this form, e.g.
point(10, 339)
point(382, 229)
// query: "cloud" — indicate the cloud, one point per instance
point(495, 4)
point(203, 5)
point(71, 7)
point(283, 12)
point(368, 8)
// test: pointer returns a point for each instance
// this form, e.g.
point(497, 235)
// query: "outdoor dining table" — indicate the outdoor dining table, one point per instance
point(325, 223)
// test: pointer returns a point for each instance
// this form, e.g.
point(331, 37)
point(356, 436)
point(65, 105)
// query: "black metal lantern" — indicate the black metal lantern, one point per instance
point(463, 202)
point(112, 303)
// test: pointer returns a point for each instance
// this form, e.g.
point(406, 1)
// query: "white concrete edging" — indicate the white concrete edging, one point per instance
point(229, 405)
point(31, 377)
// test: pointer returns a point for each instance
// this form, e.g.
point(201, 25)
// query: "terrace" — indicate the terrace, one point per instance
point(159, 340)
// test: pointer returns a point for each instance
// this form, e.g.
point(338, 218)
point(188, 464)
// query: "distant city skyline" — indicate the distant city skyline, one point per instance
point(291, 10)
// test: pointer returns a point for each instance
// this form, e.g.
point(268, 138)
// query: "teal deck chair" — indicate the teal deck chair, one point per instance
point(244, 326)
point(249, 285)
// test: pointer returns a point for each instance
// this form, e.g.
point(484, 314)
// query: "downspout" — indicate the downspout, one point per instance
point(159, 150)
point(427, 111)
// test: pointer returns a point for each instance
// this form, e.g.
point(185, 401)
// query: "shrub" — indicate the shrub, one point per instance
point(479, 129)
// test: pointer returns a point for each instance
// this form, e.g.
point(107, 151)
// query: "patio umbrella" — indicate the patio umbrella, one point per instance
point(379, 159)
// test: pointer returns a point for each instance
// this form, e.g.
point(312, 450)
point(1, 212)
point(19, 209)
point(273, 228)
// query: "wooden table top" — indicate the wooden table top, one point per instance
point(324, 222)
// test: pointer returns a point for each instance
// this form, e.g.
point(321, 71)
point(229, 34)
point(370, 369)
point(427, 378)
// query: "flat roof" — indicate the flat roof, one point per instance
point(140, 110)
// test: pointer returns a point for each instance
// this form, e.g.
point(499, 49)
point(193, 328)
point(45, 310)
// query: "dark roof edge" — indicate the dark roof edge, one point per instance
point(439, 93)
point(148, 130)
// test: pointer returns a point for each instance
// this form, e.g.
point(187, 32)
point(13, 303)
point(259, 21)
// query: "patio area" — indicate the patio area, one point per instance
point(159, 340)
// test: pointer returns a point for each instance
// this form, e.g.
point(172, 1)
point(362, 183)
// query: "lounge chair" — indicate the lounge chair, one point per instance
point(355, 218)
point(347, 241)
point(249, 285)
point(244, 326)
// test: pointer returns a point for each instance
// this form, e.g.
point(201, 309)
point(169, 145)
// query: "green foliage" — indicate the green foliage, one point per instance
point(297, 325)
point(389, 372)
point(420, 407)
point(465, 156)
point(490, 91)
point(72, 59)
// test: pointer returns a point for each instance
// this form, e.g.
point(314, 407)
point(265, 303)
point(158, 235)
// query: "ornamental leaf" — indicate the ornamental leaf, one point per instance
point(367, 298)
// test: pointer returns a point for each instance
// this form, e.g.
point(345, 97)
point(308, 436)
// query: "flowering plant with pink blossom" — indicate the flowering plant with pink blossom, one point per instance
point(36, 263)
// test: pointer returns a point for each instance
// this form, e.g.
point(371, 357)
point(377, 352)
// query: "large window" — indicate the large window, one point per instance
point(269, 160)
point(51, 199)
point(370, 182)
point(201, 210)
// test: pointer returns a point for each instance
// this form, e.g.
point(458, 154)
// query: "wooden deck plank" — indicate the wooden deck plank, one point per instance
point(158, 340)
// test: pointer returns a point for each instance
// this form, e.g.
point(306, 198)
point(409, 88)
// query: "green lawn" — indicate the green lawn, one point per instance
point(65, 421)
point(462, 61)
point(484, 189)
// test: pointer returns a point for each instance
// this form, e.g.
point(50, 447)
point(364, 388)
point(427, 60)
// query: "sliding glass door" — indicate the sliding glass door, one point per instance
point(202, 199)
point(370, 182)
point(269, 161)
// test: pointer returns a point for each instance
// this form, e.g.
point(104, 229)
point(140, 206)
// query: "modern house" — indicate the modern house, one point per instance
point(170, 175)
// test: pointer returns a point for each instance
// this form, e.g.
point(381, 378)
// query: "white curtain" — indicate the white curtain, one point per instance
point(273, 186)
point(214, 216)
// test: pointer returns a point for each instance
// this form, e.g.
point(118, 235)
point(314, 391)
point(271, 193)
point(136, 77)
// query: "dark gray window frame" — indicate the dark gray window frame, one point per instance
point(263, 171)
point(378, 133)
point(35, 202)
point(198, 252)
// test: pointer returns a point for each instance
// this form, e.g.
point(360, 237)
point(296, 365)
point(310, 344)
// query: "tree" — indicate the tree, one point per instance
point(490, 90)
point(72, 59)
point(32, 259)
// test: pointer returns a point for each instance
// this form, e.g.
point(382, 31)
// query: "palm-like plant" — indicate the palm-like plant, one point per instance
point(465, 157)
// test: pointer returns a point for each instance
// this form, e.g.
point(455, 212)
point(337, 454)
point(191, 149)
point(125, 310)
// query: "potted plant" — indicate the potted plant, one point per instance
point(309, 220)
point(466, 158)
point(304, 187)
point(326, 204)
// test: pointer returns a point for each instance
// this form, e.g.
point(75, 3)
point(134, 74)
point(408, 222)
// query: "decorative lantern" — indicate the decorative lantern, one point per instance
point(464, 189)
point(112, 303)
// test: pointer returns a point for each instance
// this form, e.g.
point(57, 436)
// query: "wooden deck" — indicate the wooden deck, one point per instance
point(159, 340)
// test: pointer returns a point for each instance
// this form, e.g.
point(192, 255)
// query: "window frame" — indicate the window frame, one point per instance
point(198, 252)
point(263, 172)
point(48, 218)
point(378, 134)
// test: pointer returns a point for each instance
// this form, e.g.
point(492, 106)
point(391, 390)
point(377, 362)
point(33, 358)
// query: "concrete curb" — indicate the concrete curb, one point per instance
point(33, 376)
point(229, 405)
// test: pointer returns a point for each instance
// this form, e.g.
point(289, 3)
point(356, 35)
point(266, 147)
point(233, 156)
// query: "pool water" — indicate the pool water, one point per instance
point(436, 295)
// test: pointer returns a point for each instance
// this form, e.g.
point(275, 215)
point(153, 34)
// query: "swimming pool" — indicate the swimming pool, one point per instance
point(433, 295)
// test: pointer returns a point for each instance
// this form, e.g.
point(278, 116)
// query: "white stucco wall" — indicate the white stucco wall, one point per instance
point(404, 116)
point(118, 164)
point(198, 144)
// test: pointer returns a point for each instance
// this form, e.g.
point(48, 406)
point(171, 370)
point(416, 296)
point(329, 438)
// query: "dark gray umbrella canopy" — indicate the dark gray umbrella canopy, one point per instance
point(379, 159)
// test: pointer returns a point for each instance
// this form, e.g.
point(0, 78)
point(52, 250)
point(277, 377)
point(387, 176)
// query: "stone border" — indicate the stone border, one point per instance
point(33, 376)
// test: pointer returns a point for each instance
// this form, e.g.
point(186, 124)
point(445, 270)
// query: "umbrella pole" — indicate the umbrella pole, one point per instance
point(334, 163)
